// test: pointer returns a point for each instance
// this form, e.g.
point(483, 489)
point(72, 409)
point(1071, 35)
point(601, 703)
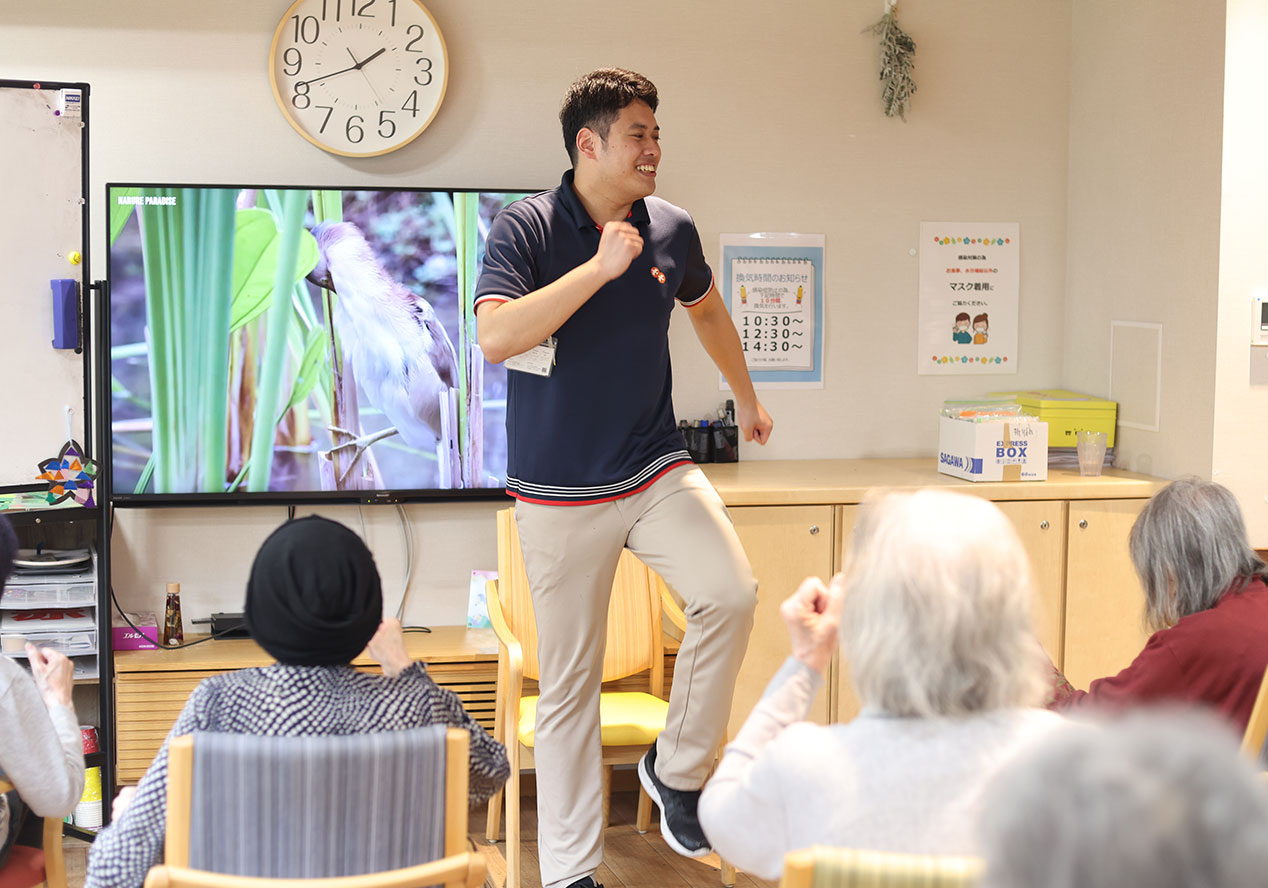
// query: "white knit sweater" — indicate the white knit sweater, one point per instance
point(879, 782)
point(41, 751)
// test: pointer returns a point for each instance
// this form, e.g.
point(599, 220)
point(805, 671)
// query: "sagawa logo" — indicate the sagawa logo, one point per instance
point(963, 463)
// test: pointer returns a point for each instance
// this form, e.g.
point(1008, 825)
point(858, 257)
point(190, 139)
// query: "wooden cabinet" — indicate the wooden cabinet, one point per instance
point(845, 703)
point(1041, 525)
point(1104, 601)
point(785, 544)
point(152, 686)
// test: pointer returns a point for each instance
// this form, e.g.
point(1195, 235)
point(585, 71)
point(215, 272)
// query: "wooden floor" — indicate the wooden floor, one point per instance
point(630, 860)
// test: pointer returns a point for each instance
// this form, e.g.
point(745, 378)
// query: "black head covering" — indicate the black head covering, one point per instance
point(8, 549)
point(313, 598)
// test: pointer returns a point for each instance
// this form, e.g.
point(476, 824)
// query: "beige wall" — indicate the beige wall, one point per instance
point(1241, 410)
point(1144, 210)
point(771, 122)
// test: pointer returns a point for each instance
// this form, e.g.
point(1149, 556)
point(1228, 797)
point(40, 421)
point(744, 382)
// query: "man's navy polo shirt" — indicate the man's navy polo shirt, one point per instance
point(601, 426)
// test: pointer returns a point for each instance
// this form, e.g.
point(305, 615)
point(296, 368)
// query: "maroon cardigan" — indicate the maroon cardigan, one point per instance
point(1215, 657)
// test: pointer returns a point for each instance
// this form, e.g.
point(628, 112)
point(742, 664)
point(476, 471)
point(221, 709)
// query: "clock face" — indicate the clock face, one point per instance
point(358, 77)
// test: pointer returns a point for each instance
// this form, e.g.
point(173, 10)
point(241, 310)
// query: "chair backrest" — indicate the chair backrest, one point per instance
point(316, 806)
point(1255, 740)
point(825, 867)
point(634, 640)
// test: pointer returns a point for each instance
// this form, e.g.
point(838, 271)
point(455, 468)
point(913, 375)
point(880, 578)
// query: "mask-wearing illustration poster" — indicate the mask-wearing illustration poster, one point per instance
point(969, 297)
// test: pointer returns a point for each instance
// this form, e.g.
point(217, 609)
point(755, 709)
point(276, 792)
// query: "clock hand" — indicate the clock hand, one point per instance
point(371, 57)
point(361, 64)
point(365, 61)
point(332, 74)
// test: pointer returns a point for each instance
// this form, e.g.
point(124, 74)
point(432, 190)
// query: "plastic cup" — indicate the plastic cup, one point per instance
point(92, 786)
point(88, 814)
point(1091, 448)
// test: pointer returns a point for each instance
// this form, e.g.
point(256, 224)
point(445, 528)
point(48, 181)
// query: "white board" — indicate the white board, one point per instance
point(41, 224)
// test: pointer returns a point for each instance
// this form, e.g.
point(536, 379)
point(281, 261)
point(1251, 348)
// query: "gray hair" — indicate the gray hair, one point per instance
point(1189, 547)
point(937, 614)
point(1162, 799)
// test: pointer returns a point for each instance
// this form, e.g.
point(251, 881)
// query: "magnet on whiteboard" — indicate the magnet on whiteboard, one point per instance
point(74, 257)
point(911, 252)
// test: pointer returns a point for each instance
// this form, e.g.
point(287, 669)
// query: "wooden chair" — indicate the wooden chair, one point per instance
point(825, 867)
point(1254, 740)
point(358, 811)
point(630, 720)
point(33, 866)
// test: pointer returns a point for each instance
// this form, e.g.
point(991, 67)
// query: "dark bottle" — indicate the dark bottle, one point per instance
point(173, 634)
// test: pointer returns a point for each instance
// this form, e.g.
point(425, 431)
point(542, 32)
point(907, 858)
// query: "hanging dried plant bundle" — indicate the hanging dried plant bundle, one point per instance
point(897, 53)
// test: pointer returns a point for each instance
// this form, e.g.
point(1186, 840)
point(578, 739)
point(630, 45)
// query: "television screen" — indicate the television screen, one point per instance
point(281, 344)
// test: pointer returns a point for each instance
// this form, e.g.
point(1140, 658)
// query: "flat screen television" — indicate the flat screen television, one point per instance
point(279, 344)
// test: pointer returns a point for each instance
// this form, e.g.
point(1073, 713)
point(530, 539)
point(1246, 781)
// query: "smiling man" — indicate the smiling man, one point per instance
point(575, 295)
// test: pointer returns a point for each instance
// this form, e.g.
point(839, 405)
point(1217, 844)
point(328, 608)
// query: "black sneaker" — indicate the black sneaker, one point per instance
point(679, 823)
point(585, 882)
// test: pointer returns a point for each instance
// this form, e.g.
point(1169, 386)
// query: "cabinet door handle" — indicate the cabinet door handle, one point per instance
point(1043, 525)
point(1083, 524)
point(814, 529)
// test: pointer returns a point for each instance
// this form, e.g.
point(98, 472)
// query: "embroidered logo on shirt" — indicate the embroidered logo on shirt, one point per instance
point(658, 274)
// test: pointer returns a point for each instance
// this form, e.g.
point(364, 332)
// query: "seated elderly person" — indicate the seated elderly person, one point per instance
point(1206, 598)
point(41, 750)
point(1157, 799)
point(313, 603)
point(934, 612)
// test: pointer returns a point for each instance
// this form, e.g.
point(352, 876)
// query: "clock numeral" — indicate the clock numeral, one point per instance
point(426, 65)
point(393, 2)
point(292, 57)
point(302, 29)
point(301, 94)
point(353, 131)
point(330, 109)
point(388, 123)
point(411, 104)
point(338, 4)
point(361, 11)
point(409, 47)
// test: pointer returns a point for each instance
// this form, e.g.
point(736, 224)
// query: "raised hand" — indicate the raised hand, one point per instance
point(618, 245)
point(388, 647)
point(53, 674)
point(812, 615)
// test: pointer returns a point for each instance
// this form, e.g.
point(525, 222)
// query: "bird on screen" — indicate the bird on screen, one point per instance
point(400, 352)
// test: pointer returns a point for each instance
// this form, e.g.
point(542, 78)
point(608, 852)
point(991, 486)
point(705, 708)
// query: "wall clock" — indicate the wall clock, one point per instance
point(358, 77)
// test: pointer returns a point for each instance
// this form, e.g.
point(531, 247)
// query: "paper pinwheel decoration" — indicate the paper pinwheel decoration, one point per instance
point(70, 475)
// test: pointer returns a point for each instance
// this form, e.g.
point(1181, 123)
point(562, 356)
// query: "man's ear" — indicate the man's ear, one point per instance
point(587, 142)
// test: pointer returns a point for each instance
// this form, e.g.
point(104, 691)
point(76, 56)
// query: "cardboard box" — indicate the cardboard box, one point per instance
point(1068, 412)
point(1014, 450)
point(124, 638)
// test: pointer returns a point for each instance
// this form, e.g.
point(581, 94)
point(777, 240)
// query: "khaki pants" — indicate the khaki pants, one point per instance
point(679, 528)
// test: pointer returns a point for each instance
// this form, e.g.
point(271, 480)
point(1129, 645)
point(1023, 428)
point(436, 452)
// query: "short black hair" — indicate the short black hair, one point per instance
point(595, 100)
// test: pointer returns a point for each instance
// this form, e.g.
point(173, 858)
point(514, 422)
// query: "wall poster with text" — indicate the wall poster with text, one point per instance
point(969, 298)
point(773, 287)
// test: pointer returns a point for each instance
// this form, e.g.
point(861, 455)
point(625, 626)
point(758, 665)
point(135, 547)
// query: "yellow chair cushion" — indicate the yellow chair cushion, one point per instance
point(626, 718)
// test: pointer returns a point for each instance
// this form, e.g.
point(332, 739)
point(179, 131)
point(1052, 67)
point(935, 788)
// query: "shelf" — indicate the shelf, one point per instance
point(29, 508)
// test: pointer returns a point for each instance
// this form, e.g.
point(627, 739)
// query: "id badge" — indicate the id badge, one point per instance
point(538, 360)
